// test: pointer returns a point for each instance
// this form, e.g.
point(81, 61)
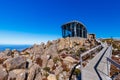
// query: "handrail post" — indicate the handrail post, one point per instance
point(81, 65)
point(108, 63)
point(108, 72)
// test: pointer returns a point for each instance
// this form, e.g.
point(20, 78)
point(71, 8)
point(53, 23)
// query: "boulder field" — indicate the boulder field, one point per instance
point(51, 61)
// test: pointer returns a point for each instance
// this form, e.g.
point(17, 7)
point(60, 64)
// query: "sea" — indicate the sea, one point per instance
point(12, 47)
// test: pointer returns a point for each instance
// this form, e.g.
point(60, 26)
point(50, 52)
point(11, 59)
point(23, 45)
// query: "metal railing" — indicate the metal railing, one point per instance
point(113, 62)
point(89, 51)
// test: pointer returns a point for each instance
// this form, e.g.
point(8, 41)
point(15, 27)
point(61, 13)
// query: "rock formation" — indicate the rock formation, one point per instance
point(51, 61)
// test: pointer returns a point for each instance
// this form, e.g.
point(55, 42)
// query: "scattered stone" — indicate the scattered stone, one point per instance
point(17, 74)
point(51, 61)
point(15, 63)
point(3, 73)
point(51, 77)
point(38, 76)
point(70, 59)
point(34, 70)
point(4, 56)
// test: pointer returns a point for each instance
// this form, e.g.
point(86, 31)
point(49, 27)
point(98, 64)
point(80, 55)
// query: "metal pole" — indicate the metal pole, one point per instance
point(82, 33)
point(81, 65)
point(107, 68)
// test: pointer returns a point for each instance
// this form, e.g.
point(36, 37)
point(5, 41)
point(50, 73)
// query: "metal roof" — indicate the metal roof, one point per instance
point(74, 21)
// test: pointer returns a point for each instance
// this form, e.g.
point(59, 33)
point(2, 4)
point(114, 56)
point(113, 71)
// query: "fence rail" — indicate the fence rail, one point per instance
point(113, 62)
point(88, 52)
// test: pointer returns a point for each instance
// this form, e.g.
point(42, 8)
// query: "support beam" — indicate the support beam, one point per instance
point(82, 32)
point(75, 30)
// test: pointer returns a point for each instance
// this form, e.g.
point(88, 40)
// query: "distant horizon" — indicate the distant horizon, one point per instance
point(116, 38)
point(14, 47)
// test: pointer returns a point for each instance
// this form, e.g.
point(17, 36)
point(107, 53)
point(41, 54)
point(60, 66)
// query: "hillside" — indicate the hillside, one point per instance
point(51, 61)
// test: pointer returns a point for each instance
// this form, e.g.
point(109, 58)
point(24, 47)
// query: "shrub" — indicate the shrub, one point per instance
point(47, 69)
point(55, 59)
point(83, 49)
point(77, 71)
point(65, 68)
point(39, 61)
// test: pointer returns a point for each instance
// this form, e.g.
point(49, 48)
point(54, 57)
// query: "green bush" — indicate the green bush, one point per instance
point(77, 71)
point(83, 49)
point(55, 59)
point(47, 69)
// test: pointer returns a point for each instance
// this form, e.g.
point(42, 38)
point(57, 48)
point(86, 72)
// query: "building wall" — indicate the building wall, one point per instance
point(74, 29)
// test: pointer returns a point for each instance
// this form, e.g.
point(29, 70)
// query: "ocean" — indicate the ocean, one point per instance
point(11, 47)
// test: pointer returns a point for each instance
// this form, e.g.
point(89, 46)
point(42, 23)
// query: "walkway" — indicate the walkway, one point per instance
point(97, 68)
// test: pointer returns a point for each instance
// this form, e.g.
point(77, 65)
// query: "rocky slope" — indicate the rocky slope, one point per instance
point(51, 61)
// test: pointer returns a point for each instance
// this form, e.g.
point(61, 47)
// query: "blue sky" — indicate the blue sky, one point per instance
point(35, 21)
